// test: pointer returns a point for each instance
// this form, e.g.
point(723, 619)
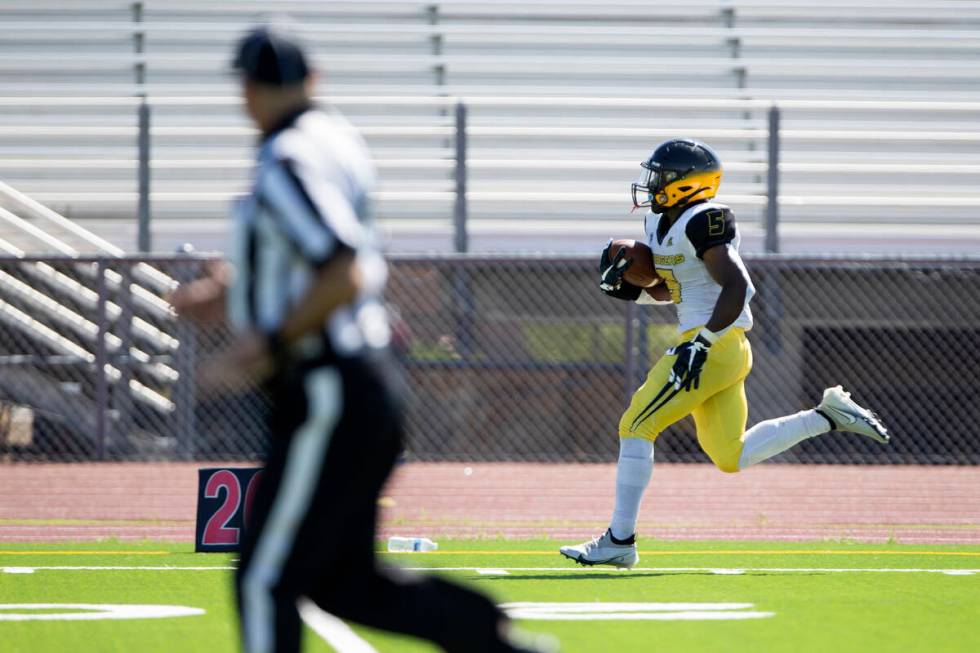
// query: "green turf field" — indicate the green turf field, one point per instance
point(752, 596)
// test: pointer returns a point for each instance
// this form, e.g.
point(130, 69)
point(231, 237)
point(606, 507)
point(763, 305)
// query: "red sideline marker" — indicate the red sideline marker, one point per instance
point(224, 502)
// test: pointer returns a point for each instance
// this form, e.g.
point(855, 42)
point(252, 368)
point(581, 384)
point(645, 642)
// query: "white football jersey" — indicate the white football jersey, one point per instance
point(677, 257)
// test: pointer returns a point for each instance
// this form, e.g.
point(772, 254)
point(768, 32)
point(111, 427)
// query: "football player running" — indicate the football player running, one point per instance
point(695, 252)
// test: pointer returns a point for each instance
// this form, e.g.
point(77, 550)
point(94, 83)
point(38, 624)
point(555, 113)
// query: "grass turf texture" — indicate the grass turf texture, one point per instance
point(813, 610)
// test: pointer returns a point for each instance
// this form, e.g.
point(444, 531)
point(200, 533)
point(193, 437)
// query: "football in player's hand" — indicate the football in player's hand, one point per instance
point(640, 272)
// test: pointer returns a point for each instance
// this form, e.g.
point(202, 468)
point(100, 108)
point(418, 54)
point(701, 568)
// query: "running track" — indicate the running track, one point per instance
point(781, 502)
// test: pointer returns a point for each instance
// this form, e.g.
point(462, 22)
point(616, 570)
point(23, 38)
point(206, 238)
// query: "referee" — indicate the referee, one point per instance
point(304, 297)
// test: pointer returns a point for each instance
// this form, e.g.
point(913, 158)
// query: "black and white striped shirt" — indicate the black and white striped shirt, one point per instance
point(308, 203)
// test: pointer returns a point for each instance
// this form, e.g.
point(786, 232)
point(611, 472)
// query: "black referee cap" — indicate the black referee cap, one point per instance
point(268, 56)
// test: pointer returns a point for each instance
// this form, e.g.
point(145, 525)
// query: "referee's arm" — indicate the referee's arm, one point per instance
point(254, 356)
point(336, 284)
point(203, 300)
point(315, 234)
point(313, 228)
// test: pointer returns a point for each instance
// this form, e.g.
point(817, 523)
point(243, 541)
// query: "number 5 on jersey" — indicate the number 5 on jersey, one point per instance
point(716, 223)
point(673, 285)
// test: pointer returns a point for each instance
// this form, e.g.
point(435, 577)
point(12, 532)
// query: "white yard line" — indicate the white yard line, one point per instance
point(500, 571)
point(27, 570)
point(591, 611)
point(333, 631)
point(715, 570)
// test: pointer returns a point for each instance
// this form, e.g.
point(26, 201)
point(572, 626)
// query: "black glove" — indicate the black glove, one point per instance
point(611, 273)
point(691, 356)
point(626, 291)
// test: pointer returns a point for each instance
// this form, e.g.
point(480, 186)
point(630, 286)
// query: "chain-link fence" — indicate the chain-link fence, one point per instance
point(505, 359)
point(56, 404)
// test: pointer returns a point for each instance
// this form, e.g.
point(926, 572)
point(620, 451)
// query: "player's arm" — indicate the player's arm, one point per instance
point(613, 283)
point(658, 293)
point(710, 232)
point(611, 272)
point(734, 281)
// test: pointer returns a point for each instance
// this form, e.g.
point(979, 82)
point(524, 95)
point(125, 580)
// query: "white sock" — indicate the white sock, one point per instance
point(632, 475)
point(766, 439)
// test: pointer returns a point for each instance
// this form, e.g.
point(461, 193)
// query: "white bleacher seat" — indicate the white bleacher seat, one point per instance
point(564, 99)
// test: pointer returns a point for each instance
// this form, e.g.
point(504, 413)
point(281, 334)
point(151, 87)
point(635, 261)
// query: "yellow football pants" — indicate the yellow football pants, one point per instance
point(718, 404)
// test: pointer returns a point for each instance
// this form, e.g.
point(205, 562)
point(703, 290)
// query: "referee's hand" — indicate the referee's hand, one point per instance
point(203, 300)
point(246, 363)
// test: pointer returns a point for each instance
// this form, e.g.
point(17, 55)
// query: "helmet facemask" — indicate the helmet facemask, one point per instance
point(648, 184)
point(652, 182)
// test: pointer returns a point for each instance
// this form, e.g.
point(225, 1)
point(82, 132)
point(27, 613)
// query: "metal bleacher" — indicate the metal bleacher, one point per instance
point(61, 319)
point(880, 106)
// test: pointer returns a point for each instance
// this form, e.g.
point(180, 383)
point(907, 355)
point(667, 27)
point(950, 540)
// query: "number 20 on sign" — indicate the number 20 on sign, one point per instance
point(224, 504)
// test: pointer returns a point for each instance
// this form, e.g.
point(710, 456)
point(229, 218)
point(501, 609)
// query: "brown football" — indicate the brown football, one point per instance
point(640, 272)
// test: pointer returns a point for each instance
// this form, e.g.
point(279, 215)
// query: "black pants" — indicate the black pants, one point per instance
point(335, 437)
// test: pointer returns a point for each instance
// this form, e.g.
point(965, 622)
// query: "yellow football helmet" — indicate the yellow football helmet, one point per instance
point(679, 172)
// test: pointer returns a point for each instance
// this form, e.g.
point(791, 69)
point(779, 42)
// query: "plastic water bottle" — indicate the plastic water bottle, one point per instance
point(418, 544)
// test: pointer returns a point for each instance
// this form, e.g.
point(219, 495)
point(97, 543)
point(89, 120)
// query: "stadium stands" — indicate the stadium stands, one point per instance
point(880, 107)
point(48, 309)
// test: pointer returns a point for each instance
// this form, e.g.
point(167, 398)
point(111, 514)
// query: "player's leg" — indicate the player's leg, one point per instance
point(633, 471)
point(836, 412)
point(617, 545)
point(774, 436)
point(657, 403)
point(655, 406)
point(720, 423)
point(634, 468)
point(728, 363)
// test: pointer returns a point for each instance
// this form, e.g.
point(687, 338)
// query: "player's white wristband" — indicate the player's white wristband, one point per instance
point(646, 299)
point(710, 336)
